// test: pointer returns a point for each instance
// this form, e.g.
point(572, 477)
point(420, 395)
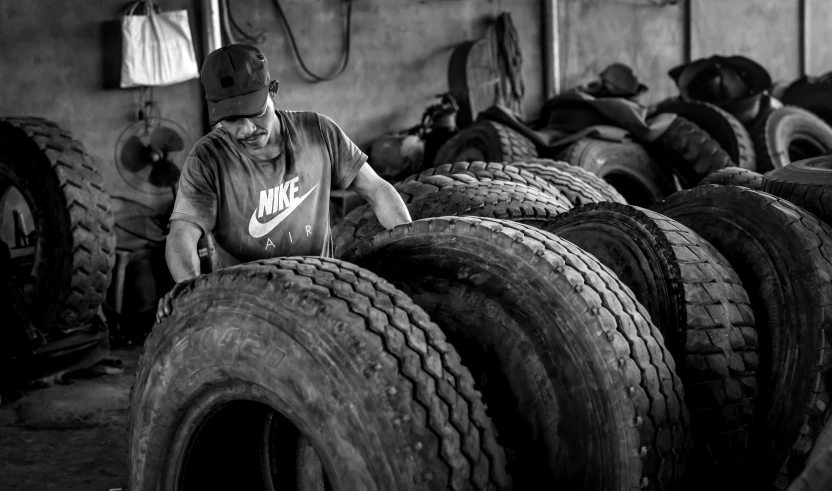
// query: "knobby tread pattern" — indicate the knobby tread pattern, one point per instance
point(713, 334)
point(815, 239)
point(441, 196)
point(498, 142)
point(816, 198)
point(495, 171)
point(735, 176)
point(91, 223)
point(619, 325)
point(514, 145)
point(692, 151)
point(579, 185)
point(438, 383)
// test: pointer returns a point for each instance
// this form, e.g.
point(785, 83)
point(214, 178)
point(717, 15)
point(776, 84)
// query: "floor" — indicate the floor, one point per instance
point(70, 435)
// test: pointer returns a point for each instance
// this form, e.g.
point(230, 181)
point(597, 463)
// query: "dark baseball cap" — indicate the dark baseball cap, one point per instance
point(236, 82)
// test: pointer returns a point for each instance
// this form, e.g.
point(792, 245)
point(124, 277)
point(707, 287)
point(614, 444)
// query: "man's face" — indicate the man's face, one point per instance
point(254, 132)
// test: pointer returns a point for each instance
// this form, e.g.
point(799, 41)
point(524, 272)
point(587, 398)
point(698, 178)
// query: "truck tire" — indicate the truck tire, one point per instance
point(702, 310)
point(493, 171)
point(626, 166)
point(734, 176)
point(578, 185)
point(721, 125)
point(790, 134)
point(691, 152)
point(486, 141)
point(440, 196)
point(353, 364)
point(780, 252)
point(75, 245)
point(581, 388)
point(806, 183)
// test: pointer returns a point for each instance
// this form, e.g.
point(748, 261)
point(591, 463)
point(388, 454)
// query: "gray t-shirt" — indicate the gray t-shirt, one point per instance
point(263, 209)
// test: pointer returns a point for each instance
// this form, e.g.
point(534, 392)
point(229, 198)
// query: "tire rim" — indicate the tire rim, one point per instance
point(20, 235)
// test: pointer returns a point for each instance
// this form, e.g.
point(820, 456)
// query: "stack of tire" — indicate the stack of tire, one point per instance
point(56, 325)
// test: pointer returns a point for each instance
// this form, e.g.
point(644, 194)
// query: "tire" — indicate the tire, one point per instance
point(626, 166)
point(494, 171)
point(807, 184)
point(814, 96)
point(73, 219)
point(789, 134)
point(578, 185)
point(486, 141)
point(583, 392)
point(735, 176)
point(702, 310)
point(721, 125)
point(817, 475)
point(780, 252)
point(349, 360)
point(691, 152)
point(440, 196)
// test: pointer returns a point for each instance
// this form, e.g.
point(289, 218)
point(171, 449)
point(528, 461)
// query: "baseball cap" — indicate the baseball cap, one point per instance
point(236, 82)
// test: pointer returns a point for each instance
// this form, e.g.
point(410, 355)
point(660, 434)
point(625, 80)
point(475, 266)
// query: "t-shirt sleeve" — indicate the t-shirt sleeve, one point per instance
point(345, 155)
point(196, 200)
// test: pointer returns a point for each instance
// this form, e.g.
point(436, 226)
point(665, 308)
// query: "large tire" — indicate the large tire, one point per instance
point(813, 95)
point(817, 475)
point(807, 183)
point(734, 176)
point(441, 196)
point(691, 152)
point(581, 388)
point(626, 166)
point(496, 172)
point(485, 141)
point(578, 185)
point(780, 252)
point(349, 360)
point(698, 302)
point(789, 134)
point(75, 250)
point(721, 125)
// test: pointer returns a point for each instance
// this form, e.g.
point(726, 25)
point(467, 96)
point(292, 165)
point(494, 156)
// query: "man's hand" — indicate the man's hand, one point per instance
point(382, 196)
point(164, 309)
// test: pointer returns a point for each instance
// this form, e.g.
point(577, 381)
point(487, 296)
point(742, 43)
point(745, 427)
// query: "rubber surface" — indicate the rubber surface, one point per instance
point(807, 183)
point(788, 134)
point(817, 475)
point(74, 220)
point(735, 176)
point(691, 152)
point(698, 302)
point(781, 253)
point(578, 185)
point(814, 95)
point(566, 357)
point(356, 365)
point(485, 141)
point(442, 196)
point(626, 166)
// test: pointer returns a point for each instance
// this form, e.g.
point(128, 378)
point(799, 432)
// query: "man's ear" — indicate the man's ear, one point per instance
point(273, 86)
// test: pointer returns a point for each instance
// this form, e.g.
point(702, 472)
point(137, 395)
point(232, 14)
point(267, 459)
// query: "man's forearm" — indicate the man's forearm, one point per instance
point(182, 257)
point(389, 207)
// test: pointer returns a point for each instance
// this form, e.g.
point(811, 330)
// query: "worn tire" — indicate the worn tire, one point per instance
point(806, 183)
point(580, 385)
point(441, 196)
point(626, 166)
point(578, 185)
point(698, 302)
point(691, 152)
point(73, 219)
point(814, 95)
point(494, 171)
point(734, 176)
point(780, 252)
point(789, 134)
point(721, 125)
point(817, 475)
point(486, 141)
point(350, 360)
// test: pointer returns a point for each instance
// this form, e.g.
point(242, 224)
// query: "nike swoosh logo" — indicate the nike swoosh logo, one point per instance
point(257, 229)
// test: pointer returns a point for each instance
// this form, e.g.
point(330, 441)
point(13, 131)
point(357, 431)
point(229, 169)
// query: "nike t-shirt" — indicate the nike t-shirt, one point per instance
point(261, 209)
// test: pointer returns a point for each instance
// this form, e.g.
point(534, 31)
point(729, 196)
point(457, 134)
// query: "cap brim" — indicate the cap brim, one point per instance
point(241, 106)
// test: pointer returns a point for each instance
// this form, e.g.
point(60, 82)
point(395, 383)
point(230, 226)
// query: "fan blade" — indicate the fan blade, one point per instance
point(166, 140)
point(134, 155)
point(164, 174)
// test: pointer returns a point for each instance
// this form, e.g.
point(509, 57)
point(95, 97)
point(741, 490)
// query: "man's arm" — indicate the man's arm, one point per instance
point(181, 251)
point(382, 196)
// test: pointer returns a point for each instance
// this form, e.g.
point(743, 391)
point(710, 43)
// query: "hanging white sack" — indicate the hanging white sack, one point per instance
point(157, 47)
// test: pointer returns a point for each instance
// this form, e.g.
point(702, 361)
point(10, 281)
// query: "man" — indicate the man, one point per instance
point(260, 182)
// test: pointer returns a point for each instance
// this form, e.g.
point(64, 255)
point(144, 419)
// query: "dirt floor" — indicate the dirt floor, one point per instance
point(70, 435)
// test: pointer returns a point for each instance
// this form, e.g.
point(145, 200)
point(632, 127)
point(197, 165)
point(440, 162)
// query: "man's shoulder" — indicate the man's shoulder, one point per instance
point(304, 119)
point(211, 147)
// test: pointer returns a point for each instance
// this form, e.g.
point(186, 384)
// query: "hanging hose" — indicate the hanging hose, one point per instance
point(228, 23)
point(509, 61)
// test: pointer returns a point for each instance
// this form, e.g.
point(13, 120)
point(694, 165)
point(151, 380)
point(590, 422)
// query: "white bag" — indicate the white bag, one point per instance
point(157, 47)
